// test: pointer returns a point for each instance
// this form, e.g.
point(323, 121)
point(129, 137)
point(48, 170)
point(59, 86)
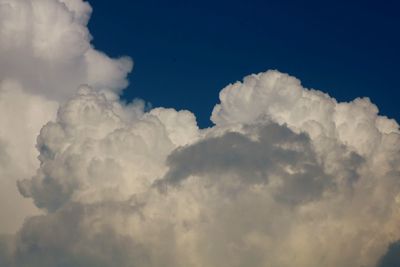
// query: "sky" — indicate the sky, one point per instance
point(348, 49)
point(198, 134)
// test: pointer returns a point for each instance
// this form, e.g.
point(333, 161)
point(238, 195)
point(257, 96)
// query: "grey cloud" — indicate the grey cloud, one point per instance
point(278, 151)
point(72, 237)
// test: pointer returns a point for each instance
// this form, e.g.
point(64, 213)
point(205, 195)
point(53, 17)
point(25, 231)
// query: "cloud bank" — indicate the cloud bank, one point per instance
point(286, 176)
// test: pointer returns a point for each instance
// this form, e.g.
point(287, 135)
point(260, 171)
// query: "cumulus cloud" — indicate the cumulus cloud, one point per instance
point(119, 185)
point(286, 176)
point(45, 45)
point(45, 54)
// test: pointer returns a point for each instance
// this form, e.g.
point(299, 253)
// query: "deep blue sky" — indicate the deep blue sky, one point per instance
point(185, 52)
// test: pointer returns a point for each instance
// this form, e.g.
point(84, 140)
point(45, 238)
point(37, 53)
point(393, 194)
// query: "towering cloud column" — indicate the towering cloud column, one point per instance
point(45, 54)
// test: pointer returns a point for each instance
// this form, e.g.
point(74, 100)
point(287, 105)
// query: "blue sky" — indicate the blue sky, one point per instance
point(185, 52)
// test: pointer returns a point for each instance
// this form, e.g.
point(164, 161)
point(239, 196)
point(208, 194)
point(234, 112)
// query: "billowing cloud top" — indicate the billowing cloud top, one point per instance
point(286, 177)
point(45, 45)
point(45, 54)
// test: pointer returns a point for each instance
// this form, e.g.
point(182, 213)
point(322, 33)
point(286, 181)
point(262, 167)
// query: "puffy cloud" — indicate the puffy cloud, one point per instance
point(95, 151)
point(281, 98)
point(286, 177)
point(45, 45)
point(45, 54)
point(119, 185)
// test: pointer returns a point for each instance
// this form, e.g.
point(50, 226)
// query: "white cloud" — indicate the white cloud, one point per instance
point(45, 45)
point(286, 177)
point(250, 193)
point(21, 116)
point(45, 54)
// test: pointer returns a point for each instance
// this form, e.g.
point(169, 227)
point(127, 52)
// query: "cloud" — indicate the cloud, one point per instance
point(45, 54)
point(276, 156)
point(21, 116)
point(240, 194)
point(45, 45)
point(286, 177)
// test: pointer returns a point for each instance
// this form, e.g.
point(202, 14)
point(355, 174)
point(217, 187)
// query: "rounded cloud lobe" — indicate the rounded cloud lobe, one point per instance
point(45, 45)
point(45, 54)
point(286, 177)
